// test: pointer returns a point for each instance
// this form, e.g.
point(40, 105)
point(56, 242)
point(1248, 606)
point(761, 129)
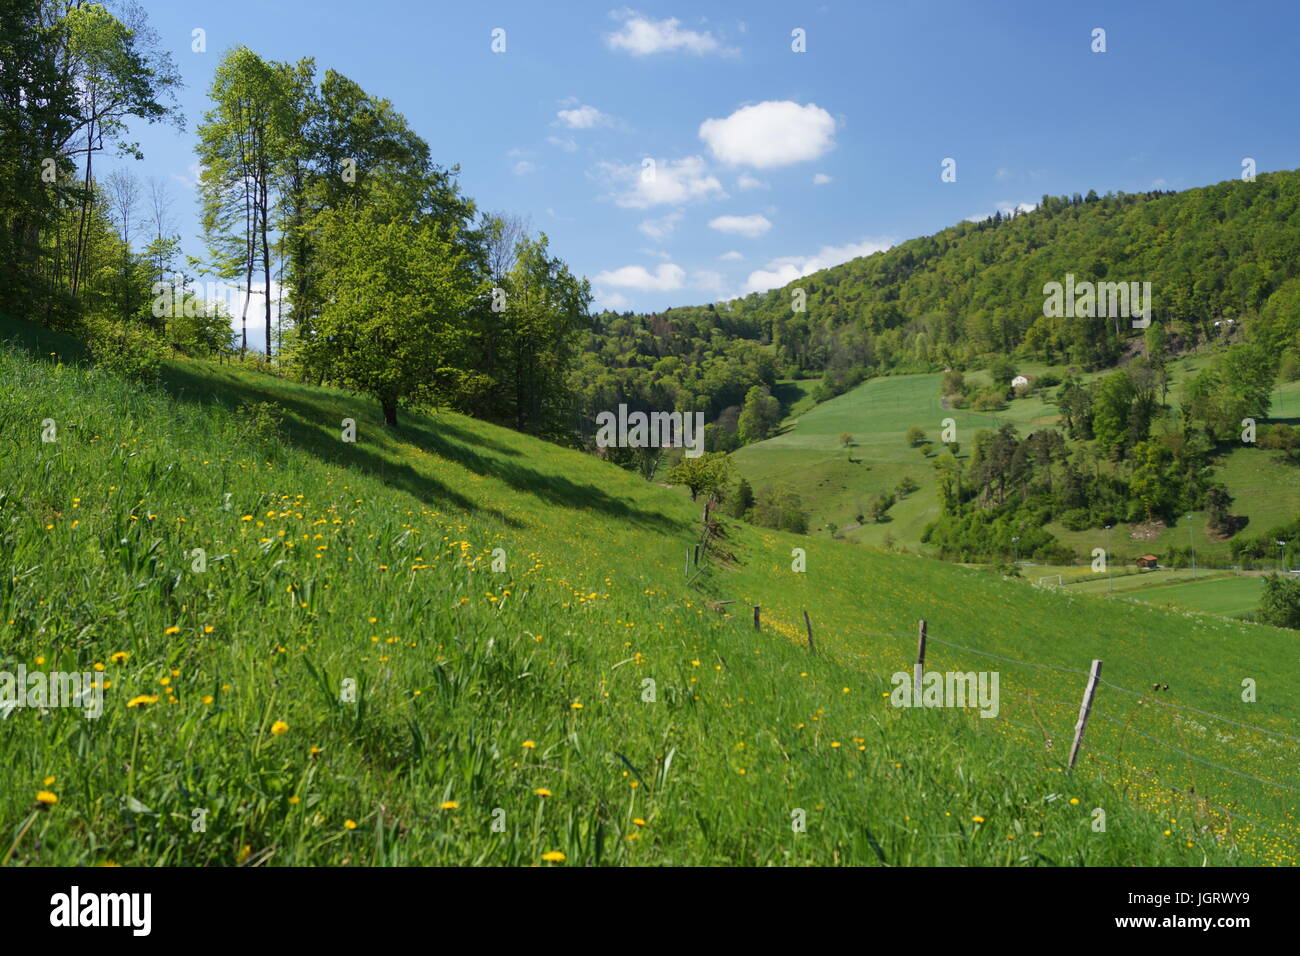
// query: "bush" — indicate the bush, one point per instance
point(990, 400)
point(1280, 605)
point(1077, 519)
point(124, 349)
point(263, 421)
point(1289, 369)
point(781, 509)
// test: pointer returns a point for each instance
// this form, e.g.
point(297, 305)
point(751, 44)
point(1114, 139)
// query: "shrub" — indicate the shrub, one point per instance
point(124, 349)
point(1076, 519)
point(1280, 605)
point(263, 421)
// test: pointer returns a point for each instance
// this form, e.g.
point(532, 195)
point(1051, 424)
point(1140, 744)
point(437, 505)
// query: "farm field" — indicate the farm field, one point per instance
point(837, 482)
point(586, 704)
point(1212, 592)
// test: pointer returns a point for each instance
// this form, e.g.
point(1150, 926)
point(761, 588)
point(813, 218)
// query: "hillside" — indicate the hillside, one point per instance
point(506, 716)
point(973, 291)
point(839, 481)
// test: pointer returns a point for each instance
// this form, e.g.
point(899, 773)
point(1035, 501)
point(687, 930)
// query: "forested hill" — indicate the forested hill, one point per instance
point(1230, 250)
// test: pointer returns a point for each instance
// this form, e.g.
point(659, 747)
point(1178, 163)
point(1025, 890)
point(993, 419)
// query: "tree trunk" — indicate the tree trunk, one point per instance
point(263, 197)
point(390, 411)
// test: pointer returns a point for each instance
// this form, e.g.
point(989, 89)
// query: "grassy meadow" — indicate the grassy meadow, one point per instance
point(350, 682)
point(837, 481)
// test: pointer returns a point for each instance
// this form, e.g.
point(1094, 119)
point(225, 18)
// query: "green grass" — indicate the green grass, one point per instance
point(838, 482)
point(372, 562)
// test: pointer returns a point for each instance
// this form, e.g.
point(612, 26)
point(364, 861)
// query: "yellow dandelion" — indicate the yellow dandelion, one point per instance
point(349, 824)
point(554, 856)
point(46, 798)
point(172, 630)
point(449, 805)
point(530, 745)
point(278, 728)
point(542, 792)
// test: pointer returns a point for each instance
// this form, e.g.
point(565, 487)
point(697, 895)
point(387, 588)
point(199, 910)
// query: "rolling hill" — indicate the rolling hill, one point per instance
point(451, 643)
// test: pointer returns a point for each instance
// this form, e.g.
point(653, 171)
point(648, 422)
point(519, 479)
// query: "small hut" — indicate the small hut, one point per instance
point(1148, 561)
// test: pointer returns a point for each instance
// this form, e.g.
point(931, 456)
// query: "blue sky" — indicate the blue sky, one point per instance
point(770, 163)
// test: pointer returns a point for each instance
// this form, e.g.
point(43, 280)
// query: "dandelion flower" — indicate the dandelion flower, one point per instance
point(278, 728)
point(542, 792)
point(530, 745)
point(554, 856)
point(450, 805)
point(349, 824)
point(46, 798)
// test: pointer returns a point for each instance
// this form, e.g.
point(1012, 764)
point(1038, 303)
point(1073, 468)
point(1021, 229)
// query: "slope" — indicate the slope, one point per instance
point(344, 678)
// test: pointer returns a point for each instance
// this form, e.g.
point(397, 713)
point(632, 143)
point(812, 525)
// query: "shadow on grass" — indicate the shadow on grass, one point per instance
point(445, 439)
point(304, 429)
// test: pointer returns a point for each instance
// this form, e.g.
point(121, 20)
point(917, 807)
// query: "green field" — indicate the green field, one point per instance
point(837, 482)
point(1229, 595)
point(588, 704)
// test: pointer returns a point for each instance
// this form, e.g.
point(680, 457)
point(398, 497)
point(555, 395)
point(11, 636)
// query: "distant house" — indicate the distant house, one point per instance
point(1148, 561)
point(1021, 381)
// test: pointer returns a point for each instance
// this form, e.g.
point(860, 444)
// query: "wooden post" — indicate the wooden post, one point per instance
point(1084, 709)
point(919, 672)
point(808, 624)
point(697, 555)
point(687, 570)
point(756, 627)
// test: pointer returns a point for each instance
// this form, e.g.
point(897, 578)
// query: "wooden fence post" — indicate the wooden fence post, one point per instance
point(697, 555)
point(687, 570)
point(919, 672)
point(808, 624)
point(1084, 709)
point(756, 626)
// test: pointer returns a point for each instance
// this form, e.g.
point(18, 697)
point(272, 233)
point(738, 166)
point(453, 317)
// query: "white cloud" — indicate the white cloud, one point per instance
point(656, 253)
point(641, 36)
point(1006, 208)
point(772, 133)
point(614, 301)
point(781, 271)
point(1002, 175)
point(707, 280)
point(747, 181)
point(524, 167)
point(751, 227)
point(821, 179)
point(674, 182)
point(583, 117)
point(732, 256)
point(565, 143)
point(192, 180)
point(666, 278)
point(660, 229)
